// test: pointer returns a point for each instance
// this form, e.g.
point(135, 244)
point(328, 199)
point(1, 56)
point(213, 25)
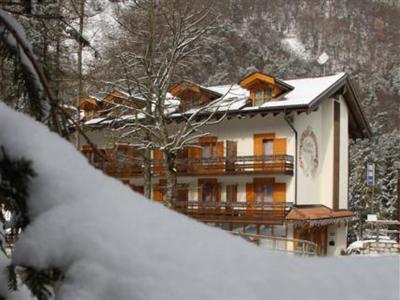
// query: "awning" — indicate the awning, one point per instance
point(318, 216)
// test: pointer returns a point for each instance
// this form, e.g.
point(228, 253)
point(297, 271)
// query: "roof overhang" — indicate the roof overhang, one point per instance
point(318, 215)
point(358, 124)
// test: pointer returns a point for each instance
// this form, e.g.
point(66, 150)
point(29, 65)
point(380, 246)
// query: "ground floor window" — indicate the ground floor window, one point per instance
point(278, 233)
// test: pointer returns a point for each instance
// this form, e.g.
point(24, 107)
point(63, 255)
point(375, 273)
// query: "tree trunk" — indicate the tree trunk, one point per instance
point(80, 81)
point(58, 53)
point(147, 173)
point(171, 190)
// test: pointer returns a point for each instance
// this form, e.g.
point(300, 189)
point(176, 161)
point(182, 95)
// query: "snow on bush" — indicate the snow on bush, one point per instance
point(112, 243)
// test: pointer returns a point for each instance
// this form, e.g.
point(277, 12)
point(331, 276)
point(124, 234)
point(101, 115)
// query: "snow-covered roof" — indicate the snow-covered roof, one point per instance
point(229, 90)
point(304, 94)
point(305, 90)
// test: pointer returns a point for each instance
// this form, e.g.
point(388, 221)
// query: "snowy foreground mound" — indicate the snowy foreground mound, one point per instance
point(113, 243)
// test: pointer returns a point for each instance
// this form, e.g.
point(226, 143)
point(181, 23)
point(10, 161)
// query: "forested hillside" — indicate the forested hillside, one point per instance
point(285, 38)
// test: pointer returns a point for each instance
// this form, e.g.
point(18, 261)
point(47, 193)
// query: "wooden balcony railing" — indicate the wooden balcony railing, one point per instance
point(132, 166)
point(276, 164)
point(234, 212)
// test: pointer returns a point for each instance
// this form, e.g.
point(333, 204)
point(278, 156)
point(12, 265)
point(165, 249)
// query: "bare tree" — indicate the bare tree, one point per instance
point(160, 40)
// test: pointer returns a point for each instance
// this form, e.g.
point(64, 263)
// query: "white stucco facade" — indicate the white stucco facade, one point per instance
point(316, 138)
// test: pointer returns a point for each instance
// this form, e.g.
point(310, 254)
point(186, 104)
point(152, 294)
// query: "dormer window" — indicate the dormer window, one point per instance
point(264, 88)
point(192, 95)
point(190, 101)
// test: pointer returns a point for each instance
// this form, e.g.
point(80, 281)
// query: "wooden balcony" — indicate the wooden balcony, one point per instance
point(234, 212)
point(235, 165)
point(132, 166)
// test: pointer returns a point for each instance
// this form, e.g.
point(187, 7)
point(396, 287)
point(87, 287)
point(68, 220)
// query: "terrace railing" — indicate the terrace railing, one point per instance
point(295, 246)
point(234, 212)
point(132, 166)
point(277, 164)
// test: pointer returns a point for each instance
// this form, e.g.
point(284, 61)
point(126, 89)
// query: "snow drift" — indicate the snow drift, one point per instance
point(112, 243)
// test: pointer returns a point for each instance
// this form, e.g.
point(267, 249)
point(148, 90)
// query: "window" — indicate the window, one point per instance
point(280, 230)
point(190, 101)
point(262, 95)
point(268, 147)
point(193, 101)
point(122, 155)
point(263, 193)
point(209, 150)
point(259, 98)
point(90, 114)
point(97, 159)
point(209, 192)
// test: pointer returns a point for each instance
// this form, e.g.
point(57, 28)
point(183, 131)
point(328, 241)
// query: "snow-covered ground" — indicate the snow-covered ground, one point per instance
point(112, 243)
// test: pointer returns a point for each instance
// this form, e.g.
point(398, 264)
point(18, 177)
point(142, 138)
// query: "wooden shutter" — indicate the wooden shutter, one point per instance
point(194, 152)
point(219, 189)
point(157, 154)
point(250, 193)
point(110, 165)
point(200, 183)
point(280, 146)
point(192, 166)
point(131, 153)
point(157, 157)
point(220, 149)
point(279, 192)
point(183, 153)
point(231, 149)
point(231, 193)
point(159, 190)
point(258, 145)
point(183, 193)
point(157, 196)
point(139, 189)
point(182, 161)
